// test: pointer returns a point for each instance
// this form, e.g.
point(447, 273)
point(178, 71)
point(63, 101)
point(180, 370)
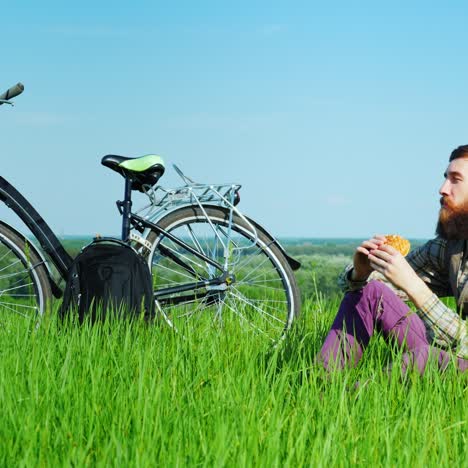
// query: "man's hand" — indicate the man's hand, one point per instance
point(388, 261)
point(362, 267)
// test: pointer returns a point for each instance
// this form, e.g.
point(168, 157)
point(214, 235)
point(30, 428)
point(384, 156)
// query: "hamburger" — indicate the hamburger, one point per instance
point(399, 243)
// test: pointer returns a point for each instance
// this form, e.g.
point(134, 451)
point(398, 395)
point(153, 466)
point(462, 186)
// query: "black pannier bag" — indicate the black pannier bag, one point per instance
point(108, 276)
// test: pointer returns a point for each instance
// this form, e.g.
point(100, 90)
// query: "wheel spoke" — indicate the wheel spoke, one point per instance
point(256, 268)
point(16, 287)
point(19, 305)
point(248, 322)
point(194, 239)
point(249, 258)
point(8, 252)
point(24, 287)
point(241, 283)
point(6, 306)
point(20, 295)
point(9, 266)
point(180, 273)
point(193, 312)
point(250, 303)
point(182, 256)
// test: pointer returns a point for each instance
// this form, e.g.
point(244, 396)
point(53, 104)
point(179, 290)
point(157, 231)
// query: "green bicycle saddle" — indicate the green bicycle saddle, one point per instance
point(142, 171)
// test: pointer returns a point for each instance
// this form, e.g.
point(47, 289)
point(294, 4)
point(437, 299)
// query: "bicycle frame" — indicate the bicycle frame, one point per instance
point(38, 227)
point(62, 260)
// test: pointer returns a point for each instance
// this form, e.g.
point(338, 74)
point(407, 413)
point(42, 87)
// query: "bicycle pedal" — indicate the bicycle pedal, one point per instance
point(140, 240)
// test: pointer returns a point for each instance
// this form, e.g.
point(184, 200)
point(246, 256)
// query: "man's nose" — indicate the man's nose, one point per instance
point(445, 188)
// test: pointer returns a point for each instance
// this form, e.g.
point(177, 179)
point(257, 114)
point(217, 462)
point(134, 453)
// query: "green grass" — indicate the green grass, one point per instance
point(136, 395)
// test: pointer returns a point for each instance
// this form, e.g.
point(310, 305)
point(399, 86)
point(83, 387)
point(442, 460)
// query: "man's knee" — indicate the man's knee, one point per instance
point(367, 301)
point(375, 294)
point(376, 287)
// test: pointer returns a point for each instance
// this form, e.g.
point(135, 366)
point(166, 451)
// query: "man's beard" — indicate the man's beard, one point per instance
point(453, 220)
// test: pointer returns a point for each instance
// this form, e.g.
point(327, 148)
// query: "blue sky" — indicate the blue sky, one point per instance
point(336, 117)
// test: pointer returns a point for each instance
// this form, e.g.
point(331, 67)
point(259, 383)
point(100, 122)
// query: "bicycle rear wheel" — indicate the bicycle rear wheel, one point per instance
point(24, 286)
point(258, 289)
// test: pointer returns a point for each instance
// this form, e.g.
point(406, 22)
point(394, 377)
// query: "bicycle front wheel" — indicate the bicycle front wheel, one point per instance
point(24, 285)
point(255, 286)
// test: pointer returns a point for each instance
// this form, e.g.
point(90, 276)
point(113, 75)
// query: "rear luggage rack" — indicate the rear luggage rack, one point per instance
point(192, 193)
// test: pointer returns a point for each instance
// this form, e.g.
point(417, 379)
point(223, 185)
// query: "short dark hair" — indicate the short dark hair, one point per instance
point(460, 152)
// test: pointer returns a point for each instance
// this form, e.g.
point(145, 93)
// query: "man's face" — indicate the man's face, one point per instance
point(453, 215)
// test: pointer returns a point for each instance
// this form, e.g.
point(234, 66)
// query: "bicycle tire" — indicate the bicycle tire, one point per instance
point(25, 290)
point(264, 294)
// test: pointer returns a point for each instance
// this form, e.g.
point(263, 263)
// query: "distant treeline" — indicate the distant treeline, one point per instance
point(344, 247)
point(73, 245)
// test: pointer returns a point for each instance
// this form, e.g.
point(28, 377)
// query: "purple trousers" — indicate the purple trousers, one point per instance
point(377, 308)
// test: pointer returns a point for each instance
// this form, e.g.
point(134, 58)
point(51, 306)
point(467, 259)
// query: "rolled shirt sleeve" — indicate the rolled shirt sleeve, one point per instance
point(447, 328)
point(345, 282)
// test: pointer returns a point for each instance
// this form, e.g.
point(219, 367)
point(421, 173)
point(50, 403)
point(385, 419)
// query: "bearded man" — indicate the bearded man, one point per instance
point(380, 279)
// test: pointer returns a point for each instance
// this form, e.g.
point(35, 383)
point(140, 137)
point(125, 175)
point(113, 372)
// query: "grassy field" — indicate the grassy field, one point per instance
point(137, 395)
point(134, 394)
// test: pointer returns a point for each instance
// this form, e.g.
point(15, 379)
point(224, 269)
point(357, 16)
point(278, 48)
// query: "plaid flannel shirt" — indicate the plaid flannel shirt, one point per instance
point(444, 326)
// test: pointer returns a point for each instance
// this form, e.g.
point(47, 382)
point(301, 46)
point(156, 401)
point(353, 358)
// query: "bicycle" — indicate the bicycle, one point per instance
point(209, 262)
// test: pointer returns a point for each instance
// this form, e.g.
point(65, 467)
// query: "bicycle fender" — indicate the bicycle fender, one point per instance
point(293, 263)
point(56, 291)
